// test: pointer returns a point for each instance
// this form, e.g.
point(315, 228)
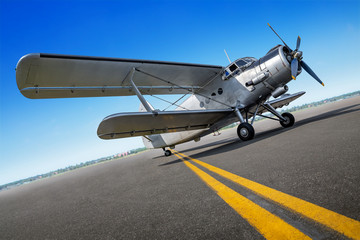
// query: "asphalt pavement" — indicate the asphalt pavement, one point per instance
point(315, 164)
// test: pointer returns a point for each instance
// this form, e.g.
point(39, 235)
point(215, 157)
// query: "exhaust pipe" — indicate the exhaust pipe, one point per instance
point(279, 91)
point(258, 79)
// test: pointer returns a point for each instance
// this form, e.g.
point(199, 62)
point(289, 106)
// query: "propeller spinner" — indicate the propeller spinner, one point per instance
point(296, 56)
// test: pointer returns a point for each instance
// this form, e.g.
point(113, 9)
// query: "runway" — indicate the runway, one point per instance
point(299, 182)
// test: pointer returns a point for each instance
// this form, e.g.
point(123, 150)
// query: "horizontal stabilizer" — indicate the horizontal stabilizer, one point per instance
point(285, 99)
point(123, 125)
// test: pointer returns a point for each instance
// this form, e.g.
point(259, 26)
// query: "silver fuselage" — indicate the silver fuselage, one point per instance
point(230, 91)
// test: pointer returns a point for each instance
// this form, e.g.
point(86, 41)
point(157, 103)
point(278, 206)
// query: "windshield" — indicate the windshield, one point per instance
point(241, 63)
point(246, 61)
point(238, 66)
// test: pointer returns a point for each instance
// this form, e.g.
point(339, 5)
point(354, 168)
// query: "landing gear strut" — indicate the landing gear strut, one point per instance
point(286, 119)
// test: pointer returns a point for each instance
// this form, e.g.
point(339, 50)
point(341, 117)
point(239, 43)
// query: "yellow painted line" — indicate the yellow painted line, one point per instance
point(266, 223)
point(347, 226)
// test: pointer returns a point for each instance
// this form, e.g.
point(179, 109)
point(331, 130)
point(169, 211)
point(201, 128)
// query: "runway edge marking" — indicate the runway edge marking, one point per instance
point(266, 223)
point(340, 223)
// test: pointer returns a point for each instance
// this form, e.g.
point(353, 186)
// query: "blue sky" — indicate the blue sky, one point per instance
point(38, 136)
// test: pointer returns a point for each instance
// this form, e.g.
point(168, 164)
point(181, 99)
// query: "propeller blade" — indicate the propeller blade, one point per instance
point(309, 71)
point(294, 68)
point(298, 43)
point(279, 37)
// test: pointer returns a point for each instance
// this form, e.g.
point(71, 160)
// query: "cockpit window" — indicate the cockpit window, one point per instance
point(233, 67)
point(241, 63)
point(237, 67)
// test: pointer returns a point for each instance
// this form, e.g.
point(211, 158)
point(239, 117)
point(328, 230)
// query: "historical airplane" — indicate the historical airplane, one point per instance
point(218, 97)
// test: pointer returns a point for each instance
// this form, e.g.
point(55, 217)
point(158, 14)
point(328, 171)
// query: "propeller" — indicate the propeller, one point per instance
point(296, 56)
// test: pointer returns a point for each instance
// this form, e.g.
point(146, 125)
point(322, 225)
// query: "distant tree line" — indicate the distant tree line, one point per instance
point(69, 168)
point(324, 101)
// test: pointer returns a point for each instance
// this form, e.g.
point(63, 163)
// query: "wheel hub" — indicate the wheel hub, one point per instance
point(287, 120)
point(244, 132)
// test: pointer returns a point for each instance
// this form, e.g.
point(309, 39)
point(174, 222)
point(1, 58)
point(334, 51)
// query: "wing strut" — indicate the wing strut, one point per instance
point(188, 89)
point(139, 95)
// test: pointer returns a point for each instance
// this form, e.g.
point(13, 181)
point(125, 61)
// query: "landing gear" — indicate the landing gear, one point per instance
point(167, 152)
point(245, 131)
point(289, 120)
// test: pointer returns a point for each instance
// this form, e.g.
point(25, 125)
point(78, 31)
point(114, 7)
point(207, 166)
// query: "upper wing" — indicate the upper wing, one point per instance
point(61, 76)
point(146, 123)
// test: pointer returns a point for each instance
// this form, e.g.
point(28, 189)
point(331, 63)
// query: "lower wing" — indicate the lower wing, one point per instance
point(123, 125)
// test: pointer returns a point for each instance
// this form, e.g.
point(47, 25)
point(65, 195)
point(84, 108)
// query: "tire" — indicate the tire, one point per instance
point(245, 131)
point(167, 153)
point(290, 120)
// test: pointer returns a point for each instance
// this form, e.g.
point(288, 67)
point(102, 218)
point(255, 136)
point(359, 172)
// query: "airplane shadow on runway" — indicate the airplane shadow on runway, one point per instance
point(232, 143)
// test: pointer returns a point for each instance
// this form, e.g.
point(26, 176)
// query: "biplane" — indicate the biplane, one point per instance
point(212, 96)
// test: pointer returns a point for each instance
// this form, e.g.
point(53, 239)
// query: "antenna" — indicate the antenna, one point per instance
point(227, 56)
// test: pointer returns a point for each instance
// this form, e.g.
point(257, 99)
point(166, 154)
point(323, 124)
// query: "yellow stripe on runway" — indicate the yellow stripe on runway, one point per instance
point(347, 226)
point(269, 225)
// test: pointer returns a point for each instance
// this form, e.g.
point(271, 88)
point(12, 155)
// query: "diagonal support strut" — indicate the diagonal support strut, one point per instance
point(139, 95)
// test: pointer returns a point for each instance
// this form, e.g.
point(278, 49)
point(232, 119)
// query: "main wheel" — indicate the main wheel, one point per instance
point(289, 120)
point(167, 153)
point(245, 131)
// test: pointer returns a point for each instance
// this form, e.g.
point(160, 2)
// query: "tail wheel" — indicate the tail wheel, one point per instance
point(167, 153)
point(289, 120)
point(245, 131)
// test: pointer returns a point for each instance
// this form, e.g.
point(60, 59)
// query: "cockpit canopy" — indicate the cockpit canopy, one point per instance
point(237, 67)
